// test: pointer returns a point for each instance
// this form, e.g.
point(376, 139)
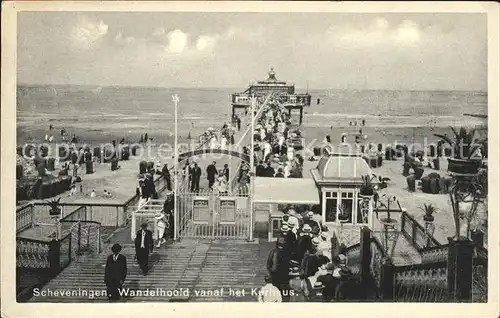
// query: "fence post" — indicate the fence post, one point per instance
point(69, 249)
point(460, 265)
point(365, 253)
point(117, 213)
point(54, 256)
point(79, 236)
point(32, 212)
point(387, 280)
point(403, 221)
point(413, 232)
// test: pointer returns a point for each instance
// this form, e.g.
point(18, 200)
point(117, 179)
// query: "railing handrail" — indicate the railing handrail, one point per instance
point(22, 207)
point(434, 241)
point(378, 245)
point(432, 265)
point(432, 248)
point(82, 221)
point(32, 240)
point(352, 247)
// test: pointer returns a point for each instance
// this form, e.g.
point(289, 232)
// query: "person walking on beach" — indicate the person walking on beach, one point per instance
point(211, 173)
point(143, 246)
point(115, 272)
point(195, 184)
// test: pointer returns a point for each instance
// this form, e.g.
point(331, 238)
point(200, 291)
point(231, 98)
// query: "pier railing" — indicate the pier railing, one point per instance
point(450, 273)
point(233, 182)
point(38, 261)
point(415, 233)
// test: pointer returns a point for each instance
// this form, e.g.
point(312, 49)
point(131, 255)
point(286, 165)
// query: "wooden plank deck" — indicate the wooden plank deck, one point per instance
point(193, 265)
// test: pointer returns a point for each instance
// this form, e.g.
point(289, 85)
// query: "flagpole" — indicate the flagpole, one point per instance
point(252, 164)
point(175, 98)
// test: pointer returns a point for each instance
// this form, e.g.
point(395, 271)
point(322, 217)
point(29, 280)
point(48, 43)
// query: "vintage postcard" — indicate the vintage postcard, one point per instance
point(249, 152)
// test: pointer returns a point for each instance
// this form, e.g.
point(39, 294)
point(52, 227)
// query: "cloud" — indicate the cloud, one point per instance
point(408, 33)
point(177, 41)
point(206, 42)
point(244, 33)
point(377, 33)
point(120, 39)
point(87, 33)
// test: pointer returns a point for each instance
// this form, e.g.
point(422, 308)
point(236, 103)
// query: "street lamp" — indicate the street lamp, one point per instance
point(465, 195)
point(175, 99)
point(390, 232)
point(252, 166)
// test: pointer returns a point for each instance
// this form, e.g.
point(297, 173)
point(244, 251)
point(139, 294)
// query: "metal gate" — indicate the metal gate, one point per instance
point(211, 215)
point(85, 238)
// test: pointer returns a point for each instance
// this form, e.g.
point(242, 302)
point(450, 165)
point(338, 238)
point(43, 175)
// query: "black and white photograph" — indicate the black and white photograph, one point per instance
point(259, 155)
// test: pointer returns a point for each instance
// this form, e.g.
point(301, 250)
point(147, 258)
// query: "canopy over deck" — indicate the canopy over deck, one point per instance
point(286, 191)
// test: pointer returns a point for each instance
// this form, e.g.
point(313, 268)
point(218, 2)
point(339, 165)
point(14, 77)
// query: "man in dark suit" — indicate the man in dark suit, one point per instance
point(195, 185)
point(225, 172)
point(115, 272)
point(269, 170)
point(260, 170)
point(143, 246)
point(211, 173)
point(168, 209)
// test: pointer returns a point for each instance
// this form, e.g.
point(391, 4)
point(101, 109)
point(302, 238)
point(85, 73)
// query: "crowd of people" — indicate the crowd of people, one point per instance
point(304, 266)
point(274, 147)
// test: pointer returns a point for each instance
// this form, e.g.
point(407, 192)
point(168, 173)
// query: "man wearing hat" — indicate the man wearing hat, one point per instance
point(345, 288)
point(278, 265)
point(329, 282)
point(294, 218)
point(309, 219)
point(310, 262)
point(211, 173)
point(269, 172)
point(168, 210)
point(304, 244)
point(115, 272)
point(143, 246)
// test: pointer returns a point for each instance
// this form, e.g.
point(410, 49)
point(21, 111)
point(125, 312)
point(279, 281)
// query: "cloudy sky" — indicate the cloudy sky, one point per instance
point(330, 50)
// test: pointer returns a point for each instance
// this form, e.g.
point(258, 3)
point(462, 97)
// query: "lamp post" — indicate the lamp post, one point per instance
point(252, 171)
point(465, 196)
point(175, 99)
point(390, 232)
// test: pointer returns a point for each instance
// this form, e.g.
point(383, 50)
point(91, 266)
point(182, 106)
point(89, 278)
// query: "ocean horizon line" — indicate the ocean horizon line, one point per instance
point(239, 87)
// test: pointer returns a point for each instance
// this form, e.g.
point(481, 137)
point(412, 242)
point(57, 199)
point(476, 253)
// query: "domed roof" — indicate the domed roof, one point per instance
point(341, 167)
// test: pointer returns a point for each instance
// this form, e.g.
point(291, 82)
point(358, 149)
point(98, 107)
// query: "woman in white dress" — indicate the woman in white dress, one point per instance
point(223, 143)
point(213, 142)
point(161, 226)
point(267, 150)
point(221, 185)
point(288, 169)
point(290, 153)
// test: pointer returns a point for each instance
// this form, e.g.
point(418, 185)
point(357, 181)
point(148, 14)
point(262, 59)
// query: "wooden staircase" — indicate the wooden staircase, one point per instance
point(198, 266)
